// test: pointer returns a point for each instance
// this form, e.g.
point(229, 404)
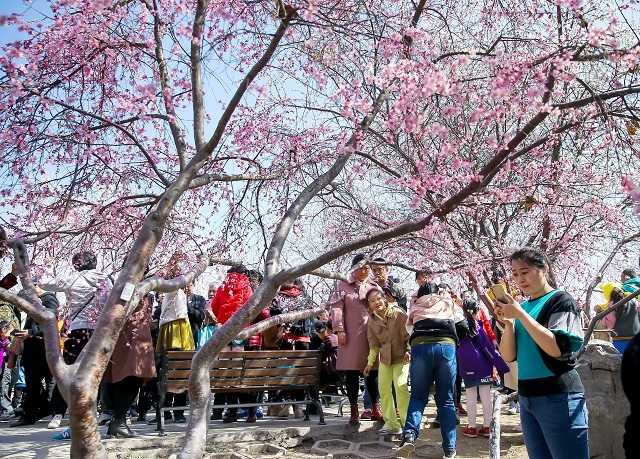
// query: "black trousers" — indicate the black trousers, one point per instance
point(122, 394)
point(37, 402)
point(352, 384)
point(170, 400)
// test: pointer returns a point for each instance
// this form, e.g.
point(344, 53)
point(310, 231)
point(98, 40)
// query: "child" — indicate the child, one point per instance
point(476, 357)
point(387, 336)
point(5, 378)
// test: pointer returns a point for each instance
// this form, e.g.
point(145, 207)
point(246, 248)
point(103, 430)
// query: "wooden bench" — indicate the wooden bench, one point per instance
point(245, 371)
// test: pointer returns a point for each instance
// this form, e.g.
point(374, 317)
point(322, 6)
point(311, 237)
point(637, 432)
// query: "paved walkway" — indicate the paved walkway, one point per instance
point(36, 441)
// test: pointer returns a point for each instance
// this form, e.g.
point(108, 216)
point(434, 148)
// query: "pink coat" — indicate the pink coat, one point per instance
point(350, 314)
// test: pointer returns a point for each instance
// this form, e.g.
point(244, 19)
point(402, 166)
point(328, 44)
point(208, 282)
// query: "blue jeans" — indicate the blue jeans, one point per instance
point(433, 363)
point(555, 426)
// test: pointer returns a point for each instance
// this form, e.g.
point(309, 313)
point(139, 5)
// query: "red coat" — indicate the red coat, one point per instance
point(486, 324)
point(232, 294)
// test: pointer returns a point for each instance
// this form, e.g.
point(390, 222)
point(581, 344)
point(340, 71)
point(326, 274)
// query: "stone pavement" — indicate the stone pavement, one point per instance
point(36, 441)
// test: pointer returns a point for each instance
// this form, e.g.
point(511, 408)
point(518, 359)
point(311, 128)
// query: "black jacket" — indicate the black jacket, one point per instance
point(34, 345)
point(196, 309)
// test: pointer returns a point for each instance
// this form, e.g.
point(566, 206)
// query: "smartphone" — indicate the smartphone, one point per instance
point(14, 331)
point(499, 292)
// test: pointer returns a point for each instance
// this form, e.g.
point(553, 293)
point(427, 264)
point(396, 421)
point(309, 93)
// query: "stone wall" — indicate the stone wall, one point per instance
point(599, 368)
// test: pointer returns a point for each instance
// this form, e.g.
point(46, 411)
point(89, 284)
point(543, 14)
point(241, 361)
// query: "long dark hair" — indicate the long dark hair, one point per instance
point(470, 307)
point(536, 258)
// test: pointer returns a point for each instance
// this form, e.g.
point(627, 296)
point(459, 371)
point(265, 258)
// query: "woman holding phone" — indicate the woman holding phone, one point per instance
point(542, 333)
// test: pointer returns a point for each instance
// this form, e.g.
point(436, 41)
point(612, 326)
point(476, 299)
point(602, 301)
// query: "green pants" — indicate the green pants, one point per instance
point(396, 375)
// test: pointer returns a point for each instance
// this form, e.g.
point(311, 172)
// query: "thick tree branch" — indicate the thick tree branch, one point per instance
point(279, 319)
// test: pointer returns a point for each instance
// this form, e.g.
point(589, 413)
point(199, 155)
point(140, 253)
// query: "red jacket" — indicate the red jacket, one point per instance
point(232, 294)
point(486, 324)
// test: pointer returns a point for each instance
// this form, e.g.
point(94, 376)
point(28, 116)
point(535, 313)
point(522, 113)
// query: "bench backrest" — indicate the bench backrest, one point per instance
point(241, 371)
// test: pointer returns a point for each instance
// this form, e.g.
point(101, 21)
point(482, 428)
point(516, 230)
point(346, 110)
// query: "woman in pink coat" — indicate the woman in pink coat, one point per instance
point(350, 319)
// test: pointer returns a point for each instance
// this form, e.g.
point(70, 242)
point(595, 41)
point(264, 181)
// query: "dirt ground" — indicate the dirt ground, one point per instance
point(511, 441)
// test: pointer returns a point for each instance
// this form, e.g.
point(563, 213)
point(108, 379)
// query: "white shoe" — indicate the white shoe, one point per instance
point(514, 408)
point(55, 422)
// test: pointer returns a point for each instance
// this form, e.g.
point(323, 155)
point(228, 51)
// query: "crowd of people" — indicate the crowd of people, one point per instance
point(402, 346)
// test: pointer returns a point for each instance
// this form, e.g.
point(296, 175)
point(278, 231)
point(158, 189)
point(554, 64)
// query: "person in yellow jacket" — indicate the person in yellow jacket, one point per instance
point(388, 338)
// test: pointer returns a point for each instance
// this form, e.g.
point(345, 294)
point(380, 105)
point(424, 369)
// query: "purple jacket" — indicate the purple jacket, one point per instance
point(4, 352)
point(477, 356)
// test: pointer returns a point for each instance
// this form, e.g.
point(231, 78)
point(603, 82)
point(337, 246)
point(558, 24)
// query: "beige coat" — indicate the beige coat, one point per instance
point(389, 335)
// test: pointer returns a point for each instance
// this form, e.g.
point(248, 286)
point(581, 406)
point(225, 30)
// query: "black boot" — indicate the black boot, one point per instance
point(119, 427)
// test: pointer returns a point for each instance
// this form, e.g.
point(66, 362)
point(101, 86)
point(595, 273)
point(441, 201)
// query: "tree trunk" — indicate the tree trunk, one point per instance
point(86, 442)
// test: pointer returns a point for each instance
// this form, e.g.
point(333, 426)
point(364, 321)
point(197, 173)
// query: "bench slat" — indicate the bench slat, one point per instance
point(250, 382)
point(188, 355)
point(272, 363)
point(275, 363)
point(253, 384)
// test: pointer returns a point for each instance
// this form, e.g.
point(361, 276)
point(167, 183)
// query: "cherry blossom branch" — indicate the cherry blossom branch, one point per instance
point(213, 142)
point(165, 84)
point(602, 96)
point(105, 121)
point(205, 179)
point(328, 274)
point(159, 284)
point(196, 73)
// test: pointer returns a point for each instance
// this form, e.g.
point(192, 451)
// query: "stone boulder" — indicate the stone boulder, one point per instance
point(599, 368)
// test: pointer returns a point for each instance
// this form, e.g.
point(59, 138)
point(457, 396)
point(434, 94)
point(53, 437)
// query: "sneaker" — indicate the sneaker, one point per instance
point(366, 414)
point(64, 435)
point(229, 419)
point(383, 432)
point(484, 432)
point(180, 419)
point(469, 432)
point(461, 409)
point(449, 455)
point(55, 422)
point(408, 444)
point(514, 408)
point(251, 419)
point(6, 416)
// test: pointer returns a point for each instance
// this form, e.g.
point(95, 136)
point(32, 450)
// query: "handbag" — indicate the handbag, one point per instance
point(205, 334)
